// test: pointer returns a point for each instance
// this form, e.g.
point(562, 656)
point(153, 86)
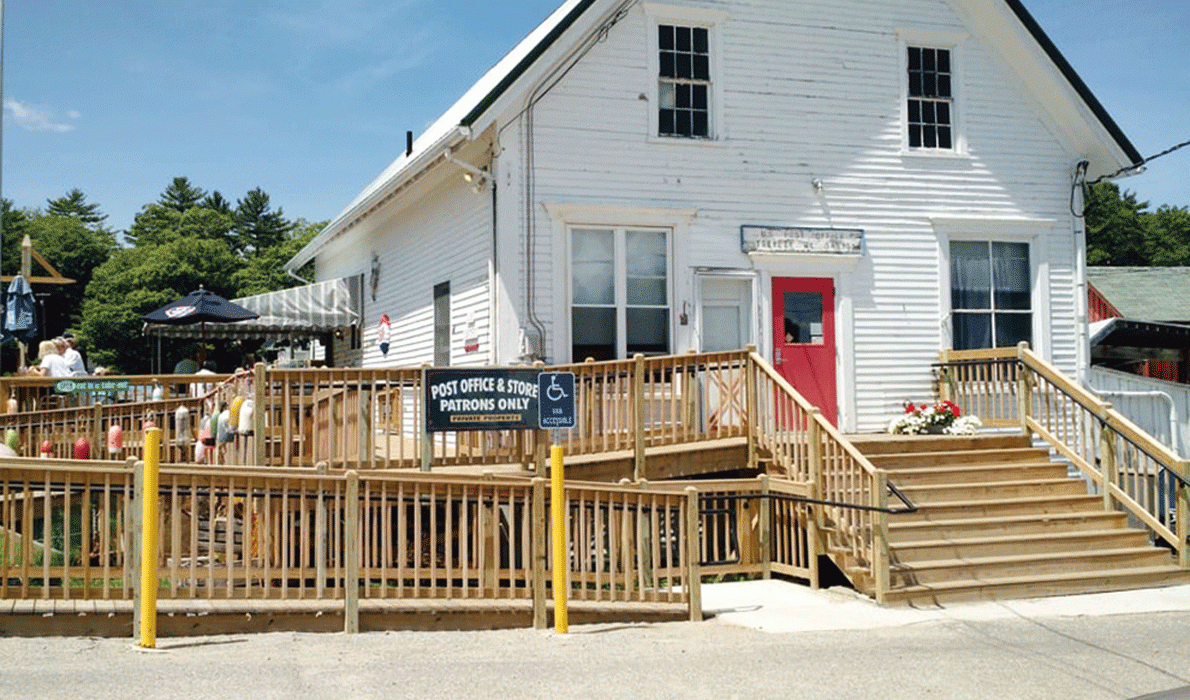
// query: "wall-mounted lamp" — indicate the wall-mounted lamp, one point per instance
point(472, 175)
point(816, 183)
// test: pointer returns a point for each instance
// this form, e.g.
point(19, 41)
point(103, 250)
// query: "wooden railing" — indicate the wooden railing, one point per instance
point(1132, 470)
point(69, 529)
point(852, 494)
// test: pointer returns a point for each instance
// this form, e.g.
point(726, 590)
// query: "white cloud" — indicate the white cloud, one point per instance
point(33, 118)
point(74, 114)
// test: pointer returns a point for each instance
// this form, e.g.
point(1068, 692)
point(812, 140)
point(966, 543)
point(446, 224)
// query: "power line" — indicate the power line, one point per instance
point(1141, 164)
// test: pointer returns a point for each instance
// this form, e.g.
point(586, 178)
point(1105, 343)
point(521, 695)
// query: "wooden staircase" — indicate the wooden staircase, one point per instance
point(998, 519)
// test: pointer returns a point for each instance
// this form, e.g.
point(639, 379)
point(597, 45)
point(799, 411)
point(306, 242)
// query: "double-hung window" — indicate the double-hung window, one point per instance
point(684, 81)
point(931, 99)
point(990, 294)
point(620, 292)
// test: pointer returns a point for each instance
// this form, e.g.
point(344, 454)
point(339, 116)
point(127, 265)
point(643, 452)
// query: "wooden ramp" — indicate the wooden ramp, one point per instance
point(997, 519)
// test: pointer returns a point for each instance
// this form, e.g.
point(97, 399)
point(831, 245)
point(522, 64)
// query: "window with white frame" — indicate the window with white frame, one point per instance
point(684, 80)
point(990, 294)
point(620, 292)
point(931, 99)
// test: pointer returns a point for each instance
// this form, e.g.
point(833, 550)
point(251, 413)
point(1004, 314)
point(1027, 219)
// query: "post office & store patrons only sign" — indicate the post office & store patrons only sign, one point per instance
point(481, 399)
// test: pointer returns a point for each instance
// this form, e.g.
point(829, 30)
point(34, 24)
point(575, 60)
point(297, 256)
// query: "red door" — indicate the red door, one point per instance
point(804, 338)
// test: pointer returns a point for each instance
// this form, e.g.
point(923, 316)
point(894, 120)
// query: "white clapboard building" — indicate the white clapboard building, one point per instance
point(849, 185)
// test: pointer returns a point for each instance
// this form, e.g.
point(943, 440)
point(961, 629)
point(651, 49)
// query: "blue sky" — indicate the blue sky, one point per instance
point(310, 100)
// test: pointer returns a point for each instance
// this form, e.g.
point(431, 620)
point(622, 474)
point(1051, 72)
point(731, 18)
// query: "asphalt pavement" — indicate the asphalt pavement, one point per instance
point(767, 639)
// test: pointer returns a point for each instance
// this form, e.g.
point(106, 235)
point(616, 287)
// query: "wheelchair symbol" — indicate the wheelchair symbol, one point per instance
point(554, 392)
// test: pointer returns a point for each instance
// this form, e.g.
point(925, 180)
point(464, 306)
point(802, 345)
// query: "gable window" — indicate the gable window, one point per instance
point(620, 282)
point(931, 99)
point(684, 82)
point(990, 294)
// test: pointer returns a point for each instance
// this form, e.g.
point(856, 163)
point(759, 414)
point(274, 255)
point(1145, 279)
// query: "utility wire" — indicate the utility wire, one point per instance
point(1135, 166)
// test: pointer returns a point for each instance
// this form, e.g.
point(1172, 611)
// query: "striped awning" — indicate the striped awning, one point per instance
point(300, 312)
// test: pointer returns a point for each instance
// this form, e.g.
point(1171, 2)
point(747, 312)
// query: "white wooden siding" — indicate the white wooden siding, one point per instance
point(813, 89)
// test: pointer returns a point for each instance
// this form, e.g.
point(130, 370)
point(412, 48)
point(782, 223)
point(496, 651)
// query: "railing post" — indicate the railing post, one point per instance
point(259, 377)
point(540, 558)
point(97, 434)
point(693, 555)
point(320, 532)
point(944, 393)
point(817, 489)
point(1024, 390)
point(1108, 466)
point(427, 446)
point(1183, 514)
point(752, 413)
point(766, 527)
point(638, 418)
point(351, 555)
point(880, 570)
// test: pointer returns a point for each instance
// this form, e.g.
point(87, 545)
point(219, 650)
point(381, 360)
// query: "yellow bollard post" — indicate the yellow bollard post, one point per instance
point(148, 555)
point(560, 561)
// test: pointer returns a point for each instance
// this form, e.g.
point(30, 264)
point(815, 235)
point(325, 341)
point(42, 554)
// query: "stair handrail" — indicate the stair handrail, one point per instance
point(1120, 457)
point(809, 448)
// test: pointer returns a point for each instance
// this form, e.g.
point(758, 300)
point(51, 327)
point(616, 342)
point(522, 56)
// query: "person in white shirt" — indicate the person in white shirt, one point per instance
point(51, 363)
point(74, 359)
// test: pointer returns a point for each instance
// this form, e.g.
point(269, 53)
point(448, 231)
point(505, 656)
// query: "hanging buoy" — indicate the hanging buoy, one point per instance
point(12, 439)
point(115, 439)
point(12, 405)
point(245, 425)
point(237, 405)
point(223, 429)
point(204, 432)
point(82, 449)
point(47, 449)
point(158, 391)
point(182, 425)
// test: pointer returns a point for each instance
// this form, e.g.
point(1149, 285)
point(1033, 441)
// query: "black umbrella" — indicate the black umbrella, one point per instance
point(199, 307)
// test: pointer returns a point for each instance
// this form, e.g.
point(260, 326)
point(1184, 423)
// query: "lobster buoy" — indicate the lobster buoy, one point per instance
point(47, 449)
point(223, 430)
point(115, 438)
point(237, 405)
point(247, 412)
point(204, 432)
point(82, 449)
point(12, 439)
point(12, 405)
point(158, 391)
point(182, 425)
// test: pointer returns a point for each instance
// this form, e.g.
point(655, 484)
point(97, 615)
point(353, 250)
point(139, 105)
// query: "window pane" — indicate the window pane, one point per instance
point(593, 266)
point(972, 331)
point(682, 123)
point(943, 62)
point(682, 40)
point(648, 331)
point(914, 58)
point(701, 43)
point(665, 36)
point(593, 333)
point(683, 96)
point(1012, 328)
point(667, 65)
point(683, 66)
point(699, 124)
point(646, 253)
point(721, 328)
point(666, 122)
point(668, 95)
point(702, 68)
point(1010, 270)
point(970, 277)
point(944, 137)
point(803, 317)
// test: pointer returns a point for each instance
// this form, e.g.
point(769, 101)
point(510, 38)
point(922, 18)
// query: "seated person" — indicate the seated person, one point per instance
point(51, 364)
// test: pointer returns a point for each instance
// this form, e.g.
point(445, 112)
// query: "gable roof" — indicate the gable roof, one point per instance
point(454, 126)
point(1145, 293)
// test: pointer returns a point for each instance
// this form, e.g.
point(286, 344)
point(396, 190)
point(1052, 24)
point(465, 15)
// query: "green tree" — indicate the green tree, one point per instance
point(1116, 227)
point(74, 204)
point(265, 271)
point(1169, 236)
point(138, 280)
point(181, 195)
point(257, 226)
point(219, 203)
point(15, 224)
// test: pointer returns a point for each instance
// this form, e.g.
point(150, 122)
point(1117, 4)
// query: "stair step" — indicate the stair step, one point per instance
point(1004, 544)
point(1040, 585)
point(904, 531)
point(983, 473)
point(934, 493)
point(954, 458)
point(883, 443)
point(999, 567)
point(952, 510)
